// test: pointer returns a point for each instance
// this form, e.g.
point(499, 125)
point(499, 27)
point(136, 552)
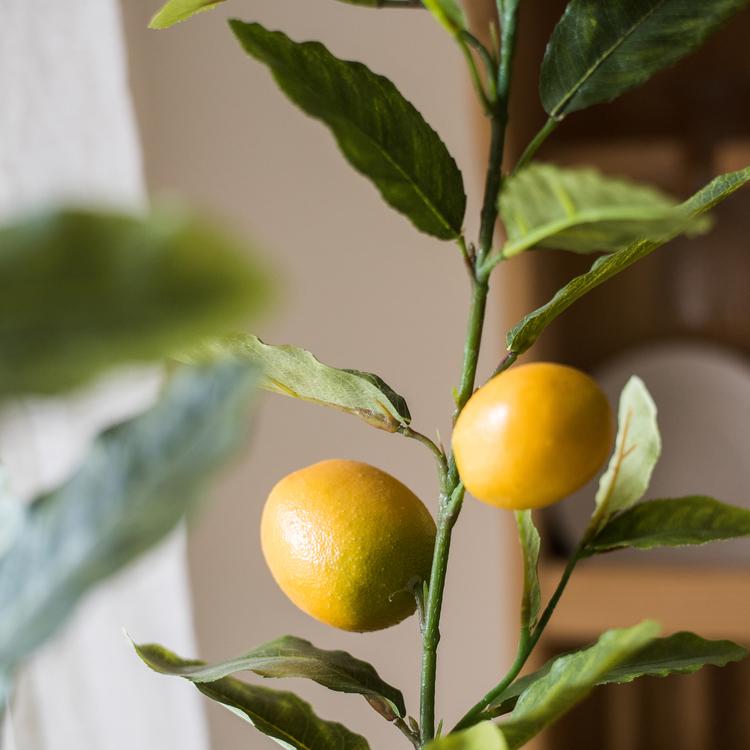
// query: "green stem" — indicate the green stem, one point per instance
point(526, 645)
point(536, 142)
point(452, 497)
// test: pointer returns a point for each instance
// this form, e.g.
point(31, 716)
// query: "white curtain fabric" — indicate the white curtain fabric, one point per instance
point(67, 135)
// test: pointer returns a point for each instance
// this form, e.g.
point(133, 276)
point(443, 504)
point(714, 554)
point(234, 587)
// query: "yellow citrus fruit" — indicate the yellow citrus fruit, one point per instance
point(532, 435)
point(345, 541)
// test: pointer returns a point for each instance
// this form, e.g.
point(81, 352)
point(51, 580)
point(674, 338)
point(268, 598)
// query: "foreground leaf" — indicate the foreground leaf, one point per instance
point(379, 132)
point(82, 291)
point(529, 538)
point(583, 211)
point(523, 335)
point(281, 716)
point(672, 523)
point(292, 657)
point(570, 679)
point(137, 482)
point(637, 450)
point(295, 372)
point(599, 50)
point(681, 653)
point(175, 11)
point(484, 736)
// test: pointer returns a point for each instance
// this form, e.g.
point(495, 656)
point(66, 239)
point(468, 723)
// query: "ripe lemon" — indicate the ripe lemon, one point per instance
point(532, 435)
point(344, 541)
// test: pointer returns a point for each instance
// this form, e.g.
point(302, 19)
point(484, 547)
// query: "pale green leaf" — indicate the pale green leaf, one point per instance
point(137, 482)
point(449, 13)
point(599, 50)
point(583, 211)
point(12, 512)
point(174, 11)
point(282, 716)
point(672, 523)
point(570, 679)
point(81, 291)
point(484, 736)
point(637, 450)
point(293, 657)
point(295, 372)
point(523, 335)
point(681, 653)
point(529, 538)
point(381, 134)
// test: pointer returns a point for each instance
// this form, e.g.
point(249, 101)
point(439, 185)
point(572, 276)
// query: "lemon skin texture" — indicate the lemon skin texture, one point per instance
point(344, 541)
point(532, 435)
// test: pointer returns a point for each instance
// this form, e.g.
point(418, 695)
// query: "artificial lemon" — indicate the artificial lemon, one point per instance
point(532, 435)
point(345, 542)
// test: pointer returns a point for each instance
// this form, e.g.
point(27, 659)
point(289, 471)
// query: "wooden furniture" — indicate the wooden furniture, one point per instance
point(684, 126)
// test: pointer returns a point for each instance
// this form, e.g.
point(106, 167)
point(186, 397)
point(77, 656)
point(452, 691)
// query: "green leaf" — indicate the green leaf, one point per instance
point(449, 13)
point(672, 523)
point(174, 11)
point(484, 736)
point(12, 512)
point(570, 679)
point(282, 716)
point(295, 372)
point(82, 291)
point(637, 450)
point(523, 335)
point(293, 657)
point(583, 211)
point(529, 538)
point(681, 653)
point(379, 132)
point(137, 482)
point(599, 50)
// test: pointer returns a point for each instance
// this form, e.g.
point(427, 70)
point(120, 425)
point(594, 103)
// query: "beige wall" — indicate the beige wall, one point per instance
point(360, 288)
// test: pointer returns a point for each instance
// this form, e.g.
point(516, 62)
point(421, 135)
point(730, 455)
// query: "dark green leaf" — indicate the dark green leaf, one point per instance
point(174, 11)
point(637, 450)
point(484, 736)
point(601, 49)
point(379, 132)
point(137, 482)
point(82, 291)
point(681, 653)
point(570, 679)
point(295, 372)
point(673, 523)
point(523, 336)
point(583, 211)
point(529, 538)
point(281, 716)
point(293, 657)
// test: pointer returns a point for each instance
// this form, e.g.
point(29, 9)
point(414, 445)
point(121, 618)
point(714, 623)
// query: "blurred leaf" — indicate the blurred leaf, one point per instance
point(282, 716)
point(449, 13)
point(637, 450)
point(525, 333)
point(174, 11)
point(570, 679)
point(12, 512)
point(583, 211)
point(484, 736)
point(681, 653)
point(672, 523)
point(82, 291)
point(379, 132)
point(295, 372)
point(599, 50)
point(289, 656)
point(137, 482)
point(529, 538)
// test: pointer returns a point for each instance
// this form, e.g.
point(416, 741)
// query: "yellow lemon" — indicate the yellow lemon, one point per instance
point(345, 541)
point(532, 435)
